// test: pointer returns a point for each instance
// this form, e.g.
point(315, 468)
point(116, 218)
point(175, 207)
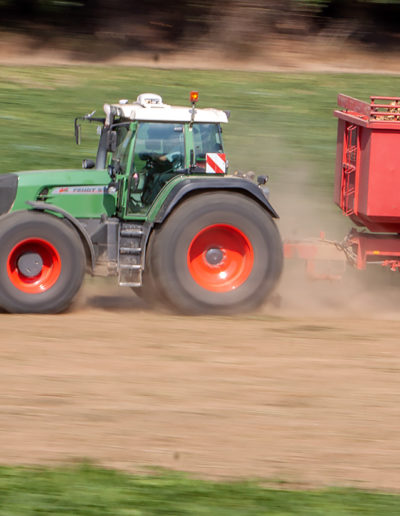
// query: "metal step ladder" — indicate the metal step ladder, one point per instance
point(349, 169)
point(130, 253)
point(348, 188)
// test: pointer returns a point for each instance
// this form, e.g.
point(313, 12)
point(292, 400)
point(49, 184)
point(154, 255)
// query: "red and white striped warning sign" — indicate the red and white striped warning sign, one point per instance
point(215, 163)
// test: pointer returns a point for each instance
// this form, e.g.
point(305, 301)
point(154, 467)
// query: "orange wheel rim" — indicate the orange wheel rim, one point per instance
point(220, 258)
point(33, 265)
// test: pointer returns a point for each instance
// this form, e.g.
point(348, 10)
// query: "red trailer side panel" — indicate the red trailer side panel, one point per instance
point(384, 176)
point(367, 176)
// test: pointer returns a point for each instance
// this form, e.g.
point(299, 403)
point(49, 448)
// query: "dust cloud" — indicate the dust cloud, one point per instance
point(306, 210)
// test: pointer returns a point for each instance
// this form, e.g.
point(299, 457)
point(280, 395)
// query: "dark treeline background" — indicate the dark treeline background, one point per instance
point(111, 26)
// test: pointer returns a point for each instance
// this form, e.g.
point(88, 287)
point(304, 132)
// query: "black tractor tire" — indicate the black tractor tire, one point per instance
point(42, 263)
point(218, 252)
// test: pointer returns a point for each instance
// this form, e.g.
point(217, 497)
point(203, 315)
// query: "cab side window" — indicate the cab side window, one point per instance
point(207, 139)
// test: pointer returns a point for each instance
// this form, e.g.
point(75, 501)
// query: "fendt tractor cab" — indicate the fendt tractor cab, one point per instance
point(156, 142)
point(156, 208)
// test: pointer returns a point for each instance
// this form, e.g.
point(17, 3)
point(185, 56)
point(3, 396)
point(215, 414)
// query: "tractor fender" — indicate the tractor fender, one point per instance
point(43, 206)
point(192, 185)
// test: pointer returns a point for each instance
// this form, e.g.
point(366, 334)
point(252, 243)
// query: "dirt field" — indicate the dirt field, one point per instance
point(307, 391)
point(289, 394)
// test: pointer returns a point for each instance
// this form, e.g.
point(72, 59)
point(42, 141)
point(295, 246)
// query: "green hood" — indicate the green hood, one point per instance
point(57, 187)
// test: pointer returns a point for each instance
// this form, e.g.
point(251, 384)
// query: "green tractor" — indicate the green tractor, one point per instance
point(156, 209)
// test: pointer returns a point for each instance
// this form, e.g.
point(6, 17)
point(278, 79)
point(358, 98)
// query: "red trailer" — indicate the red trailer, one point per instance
point(367, 184)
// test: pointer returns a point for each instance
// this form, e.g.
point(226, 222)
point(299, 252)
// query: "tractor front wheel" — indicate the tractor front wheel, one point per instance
point(42, 263)
point(219, 252)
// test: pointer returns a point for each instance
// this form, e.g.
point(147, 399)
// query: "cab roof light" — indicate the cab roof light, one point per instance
point(194, 97)
point(150, 100)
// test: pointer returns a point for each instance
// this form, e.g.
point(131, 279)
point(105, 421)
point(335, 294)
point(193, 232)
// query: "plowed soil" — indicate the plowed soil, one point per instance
point(306, 392)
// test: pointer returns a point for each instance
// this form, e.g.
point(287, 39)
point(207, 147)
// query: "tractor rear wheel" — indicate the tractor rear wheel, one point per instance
point(219, 252)
point(42, 263)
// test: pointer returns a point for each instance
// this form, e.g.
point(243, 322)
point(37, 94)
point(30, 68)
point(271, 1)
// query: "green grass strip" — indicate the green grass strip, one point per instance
point(86, 490)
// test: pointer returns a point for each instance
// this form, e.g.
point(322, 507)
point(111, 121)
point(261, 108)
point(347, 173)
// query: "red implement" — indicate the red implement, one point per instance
point(367, 186)
point(367, 176)
point(324, 259)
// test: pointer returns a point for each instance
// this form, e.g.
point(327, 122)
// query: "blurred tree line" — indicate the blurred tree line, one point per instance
point(235, 24)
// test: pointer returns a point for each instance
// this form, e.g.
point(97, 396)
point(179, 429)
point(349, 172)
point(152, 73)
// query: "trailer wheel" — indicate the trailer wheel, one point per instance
point(219, 252)
point(42, 263)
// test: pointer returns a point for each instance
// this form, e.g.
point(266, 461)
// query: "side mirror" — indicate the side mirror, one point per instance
point(112, 141)
point(87, 163)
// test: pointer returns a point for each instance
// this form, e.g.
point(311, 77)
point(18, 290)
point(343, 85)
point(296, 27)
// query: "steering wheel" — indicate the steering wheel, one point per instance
point(152, 159)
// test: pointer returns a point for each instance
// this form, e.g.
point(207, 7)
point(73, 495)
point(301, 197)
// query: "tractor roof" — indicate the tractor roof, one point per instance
point(150, 107)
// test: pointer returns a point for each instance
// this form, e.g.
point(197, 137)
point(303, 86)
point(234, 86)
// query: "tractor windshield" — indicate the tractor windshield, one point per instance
point(159, 147)
point(120, 156)
point(207, 138)
point(159, 155)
